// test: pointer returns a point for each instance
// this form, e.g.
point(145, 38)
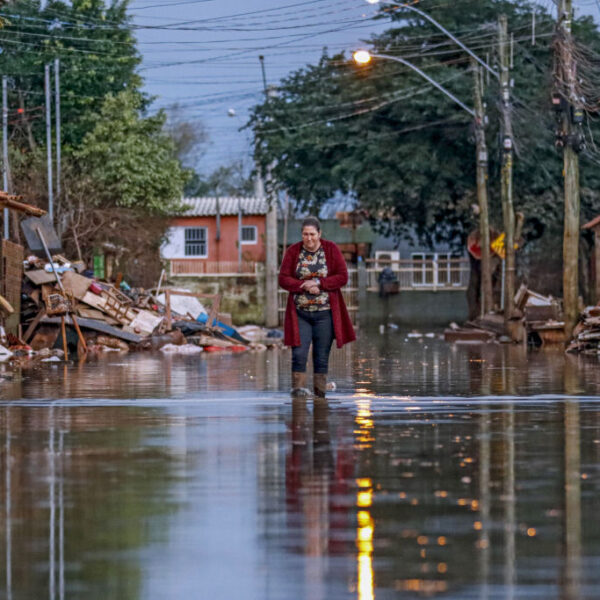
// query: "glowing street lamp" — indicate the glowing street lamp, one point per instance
point(363, 57)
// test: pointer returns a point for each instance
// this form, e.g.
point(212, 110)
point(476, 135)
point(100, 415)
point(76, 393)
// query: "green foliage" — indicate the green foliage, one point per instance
point(131, 159)
point(405, 151)
point(97, 52)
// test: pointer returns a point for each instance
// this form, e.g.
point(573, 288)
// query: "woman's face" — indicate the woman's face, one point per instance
point(311, 238)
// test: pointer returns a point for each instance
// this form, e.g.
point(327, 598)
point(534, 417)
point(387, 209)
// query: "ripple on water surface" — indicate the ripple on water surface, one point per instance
point(435, 471)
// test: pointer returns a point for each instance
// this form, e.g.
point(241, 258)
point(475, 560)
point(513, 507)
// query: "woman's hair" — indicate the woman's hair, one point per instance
point(311, 222)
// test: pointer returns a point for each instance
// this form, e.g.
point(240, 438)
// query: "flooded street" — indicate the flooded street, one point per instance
point(465, 471)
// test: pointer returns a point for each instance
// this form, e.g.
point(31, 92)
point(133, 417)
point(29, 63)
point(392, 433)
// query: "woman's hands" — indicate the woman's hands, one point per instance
point(310, 286)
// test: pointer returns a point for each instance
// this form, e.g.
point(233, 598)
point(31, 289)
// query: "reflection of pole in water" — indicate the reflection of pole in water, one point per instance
point(509, 507)
point(572, 523)
point(8, 512)
point(61, 519)
point(272, 364)
point(572, 375)
point(484, 500)
point(51, 574)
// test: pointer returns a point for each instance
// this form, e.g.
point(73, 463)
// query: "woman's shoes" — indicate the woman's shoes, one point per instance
point(299, 389)
point(320, 384)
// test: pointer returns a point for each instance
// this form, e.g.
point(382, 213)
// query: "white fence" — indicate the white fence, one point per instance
point(196, 267)
point(422, 274)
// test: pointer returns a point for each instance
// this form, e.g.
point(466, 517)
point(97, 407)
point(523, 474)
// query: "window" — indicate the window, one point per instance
point(435, 269)
point(195, 242)
point(248, 234)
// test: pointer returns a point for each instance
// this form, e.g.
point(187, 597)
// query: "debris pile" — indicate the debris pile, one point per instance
point(61, 304)
point(537, 318)
point(65, 311)
point(586, 335)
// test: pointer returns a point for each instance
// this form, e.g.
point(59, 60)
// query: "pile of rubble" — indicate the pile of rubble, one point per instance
point(586, 334)
point(65, 310)
point(537, 318)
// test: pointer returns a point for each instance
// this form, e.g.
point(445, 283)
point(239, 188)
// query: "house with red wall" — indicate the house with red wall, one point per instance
point(207, 237)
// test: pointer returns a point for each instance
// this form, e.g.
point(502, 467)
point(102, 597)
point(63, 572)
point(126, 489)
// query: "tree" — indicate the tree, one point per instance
point(190, 137)
point(97, 52)
point(403, 150)
point(131, 159)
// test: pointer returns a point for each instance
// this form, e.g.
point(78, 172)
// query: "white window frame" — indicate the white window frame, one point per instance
point(434, 258)
point(255, 240)
point(186, 241)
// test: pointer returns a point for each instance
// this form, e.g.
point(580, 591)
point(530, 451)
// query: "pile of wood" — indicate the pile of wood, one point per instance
point(586, 335)
point(65, 311)
point(61, 304)
point(542, 316)
point(537, 318)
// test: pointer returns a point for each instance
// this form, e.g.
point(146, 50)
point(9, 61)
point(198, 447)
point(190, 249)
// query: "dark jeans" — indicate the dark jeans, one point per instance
point(315, 327)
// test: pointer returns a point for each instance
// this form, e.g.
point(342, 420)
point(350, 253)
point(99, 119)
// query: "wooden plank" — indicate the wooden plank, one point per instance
point(39, 276)
point(144, 323)
point(33, 325)
point(13, 202)
point(98, 326)
point(100, 303)
point(77, 284)
point(92, 313)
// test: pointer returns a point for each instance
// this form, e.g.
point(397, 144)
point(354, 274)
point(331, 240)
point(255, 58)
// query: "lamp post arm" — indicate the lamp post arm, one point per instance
point(453, 38)
point(425, 76)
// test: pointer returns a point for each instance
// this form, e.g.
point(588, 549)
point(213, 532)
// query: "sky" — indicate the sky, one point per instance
point(204, 55)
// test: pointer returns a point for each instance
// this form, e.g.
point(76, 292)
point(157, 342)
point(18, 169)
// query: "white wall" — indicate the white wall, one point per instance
point(174, 247)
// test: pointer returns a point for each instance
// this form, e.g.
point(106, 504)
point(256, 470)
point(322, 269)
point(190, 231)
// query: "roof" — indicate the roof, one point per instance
point(207, 207)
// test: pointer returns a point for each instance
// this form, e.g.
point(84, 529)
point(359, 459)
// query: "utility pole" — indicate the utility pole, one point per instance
point(49, 141)
point(506, 187)
point(271, 286)
point(240, 236)
point(57, 126)
point(482, 199)
point(570, 139)
point(5, 151)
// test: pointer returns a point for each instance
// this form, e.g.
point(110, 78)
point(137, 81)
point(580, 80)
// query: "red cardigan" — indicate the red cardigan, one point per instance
point(336, 279)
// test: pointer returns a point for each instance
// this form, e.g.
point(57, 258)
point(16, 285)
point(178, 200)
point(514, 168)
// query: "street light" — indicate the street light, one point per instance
point(363, 57)
point(444, 30)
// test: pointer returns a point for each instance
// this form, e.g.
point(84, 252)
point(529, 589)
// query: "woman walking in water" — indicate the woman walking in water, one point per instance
point(314, 271)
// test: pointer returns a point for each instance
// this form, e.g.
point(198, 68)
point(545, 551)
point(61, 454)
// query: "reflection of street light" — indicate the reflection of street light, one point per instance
point(363, 57)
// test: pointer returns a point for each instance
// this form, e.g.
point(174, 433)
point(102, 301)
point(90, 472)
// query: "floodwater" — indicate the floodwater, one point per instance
point(434, 471)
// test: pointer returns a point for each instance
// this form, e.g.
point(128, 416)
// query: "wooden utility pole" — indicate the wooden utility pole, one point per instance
point(271, 263)
point(566, 82)
point(506, 187)
point(482, 199)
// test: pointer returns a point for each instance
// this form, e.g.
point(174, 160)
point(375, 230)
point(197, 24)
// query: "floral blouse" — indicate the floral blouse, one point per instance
point(311, 265)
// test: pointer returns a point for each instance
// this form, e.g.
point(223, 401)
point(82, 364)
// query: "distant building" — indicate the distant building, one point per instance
point(205, 239)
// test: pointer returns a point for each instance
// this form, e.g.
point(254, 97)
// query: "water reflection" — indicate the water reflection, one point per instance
point(83, 487)
point(454, 472)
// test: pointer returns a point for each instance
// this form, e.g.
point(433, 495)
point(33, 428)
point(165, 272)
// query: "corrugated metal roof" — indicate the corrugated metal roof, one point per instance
point(206, 207)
